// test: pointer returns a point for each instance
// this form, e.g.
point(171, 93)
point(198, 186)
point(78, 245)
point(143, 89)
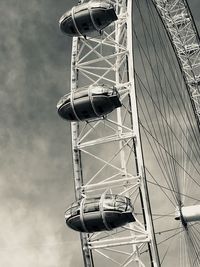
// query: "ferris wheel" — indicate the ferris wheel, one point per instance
point(134, 113)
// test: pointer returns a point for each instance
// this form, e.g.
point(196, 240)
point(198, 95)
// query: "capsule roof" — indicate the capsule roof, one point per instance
point(87, 18)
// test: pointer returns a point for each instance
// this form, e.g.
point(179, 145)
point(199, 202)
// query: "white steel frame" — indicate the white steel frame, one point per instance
point(92, 65)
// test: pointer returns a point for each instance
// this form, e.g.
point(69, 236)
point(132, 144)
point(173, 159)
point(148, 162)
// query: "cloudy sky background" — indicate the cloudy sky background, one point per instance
point(36, 168)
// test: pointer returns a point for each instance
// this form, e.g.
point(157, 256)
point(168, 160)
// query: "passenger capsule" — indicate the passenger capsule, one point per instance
point(88, 17)
point(99, 213)
point(94, 102)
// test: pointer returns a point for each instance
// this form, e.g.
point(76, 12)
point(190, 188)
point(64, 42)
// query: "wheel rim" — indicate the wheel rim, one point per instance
point(104, 60)
point(170, 142)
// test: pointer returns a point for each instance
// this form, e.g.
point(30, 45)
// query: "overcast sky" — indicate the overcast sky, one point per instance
point(36, 170)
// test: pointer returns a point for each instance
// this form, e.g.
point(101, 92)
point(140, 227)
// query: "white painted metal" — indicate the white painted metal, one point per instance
point(114, 68)
point(77, 168)
point(189, 213)
point(182, 31)
point(138, 146)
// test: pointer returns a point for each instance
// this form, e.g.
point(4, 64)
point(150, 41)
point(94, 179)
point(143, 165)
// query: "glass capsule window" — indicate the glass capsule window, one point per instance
point(120, 205)
point(73, 210)
point(80, 94)
point(64, 99)
point(91, 205)
point(108, 203)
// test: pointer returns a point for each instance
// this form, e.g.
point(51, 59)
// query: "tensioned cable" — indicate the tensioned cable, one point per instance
point(168, 247)
point(160, 165)
point(161, 86)
point(166, 181)
point(169, 154)
point(188, 248)
point(169, 63)
point(164, 187)
point(155, 154)
point(159, 152)
point(166, 239)
point(168, 230)
point(156, 183)
point(165, 119)
point(149, 141)
point(171, 236)
point(193, 243)
point(169, 144)
point(167, 56)
point(196, 249)
point(161, 155)
point(179, 165)
point(195, 236)
point(171, 214)
point(183, 251)
point(192, 225)
point(169, 137)
point(171, 129)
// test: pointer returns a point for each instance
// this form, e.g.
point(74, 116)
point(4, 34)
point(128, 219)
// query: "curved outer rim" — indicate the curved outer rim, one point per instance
point(76, 154)
point(172, 32)
point(77, 163)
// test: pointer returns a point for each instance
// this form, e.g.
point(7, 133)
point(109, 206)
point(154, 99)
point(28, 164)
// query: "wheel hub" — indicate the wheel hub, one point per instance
point(188, 214)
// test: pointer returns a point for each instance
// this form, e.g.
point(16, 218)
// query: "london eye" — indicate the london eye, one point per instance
point(134, 110)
